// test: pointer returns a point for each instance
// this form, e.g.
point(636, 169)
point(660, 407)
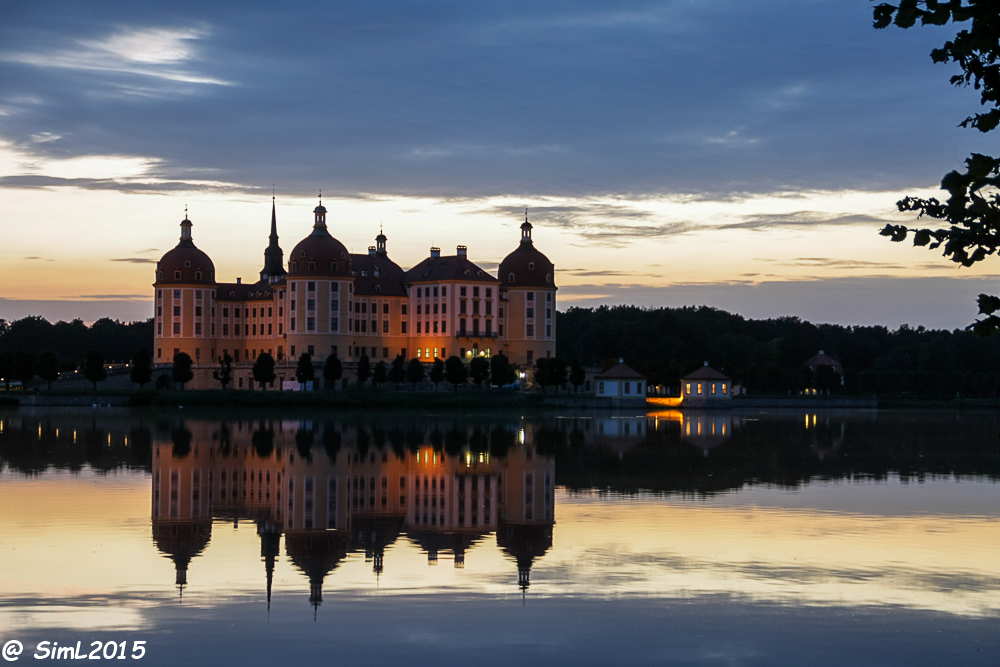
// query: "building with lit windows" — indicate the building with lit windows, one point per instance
point(327, 301)
point(706, 387)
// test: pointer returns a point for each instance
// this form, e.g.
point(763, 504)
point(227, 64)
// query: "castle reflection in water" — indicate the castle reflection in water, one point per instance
point(330, 489)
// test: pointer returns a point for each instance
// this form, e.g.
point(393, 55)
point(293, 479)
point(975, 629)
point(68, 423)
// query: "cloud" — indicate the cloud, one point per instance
point(764, 221)
point(135, 260)
point(143, 297)
point(40, 259)
point(435, 99)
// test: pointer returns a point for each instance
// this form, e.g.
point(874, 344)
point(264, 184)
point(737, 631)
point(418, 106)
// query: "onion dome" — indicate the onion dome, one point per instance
point(181, 541)
point(185, 264)
point(316, 554)
point(527, 266)
point(319, 254)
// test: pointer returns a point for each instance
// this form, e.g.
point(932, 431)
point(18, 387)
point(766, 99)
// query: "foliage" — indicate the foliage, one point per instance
point(141, 368)
point(501, 372)
point(397, 374)
point(414, 372)
point(72, 340)
point(479, 370)
point(182, 372)
point(93, 368)
point(577, 376)
point(304, 371)
point(437, 373)
point(224, 373)
point(364, 370)
point(47, 367)
point(765, 355)
point(381, 373)
point(24, 366)
point(333, 370)
point(455, 371)
point(263, 370)
point(972, 208)
point(550, 372)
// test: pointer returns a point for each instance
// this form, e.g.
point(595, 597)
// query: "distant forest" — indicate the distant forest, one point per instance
point(766, 356)
point(665, 344)
point(71, 341)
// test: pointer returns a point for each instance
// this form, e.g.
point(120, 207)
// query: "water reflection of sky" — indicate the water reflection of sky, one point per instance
point(870, 568)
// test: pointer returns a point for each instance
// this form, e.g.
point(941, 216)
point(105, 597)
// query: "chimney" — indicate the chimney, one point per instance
point(462, 251)
point(621, 360)
point(821, 352)
point(706, 363)
point(371, 251)
point(239, 281)
point(435, 252)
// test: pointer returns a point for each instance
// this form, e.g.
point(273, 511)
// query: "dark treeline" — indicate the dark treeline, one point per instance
point(71, 341)
point(767, 355)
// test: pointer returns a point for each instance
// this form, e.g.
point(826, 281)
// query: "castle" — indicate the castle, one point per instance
point(326, 301)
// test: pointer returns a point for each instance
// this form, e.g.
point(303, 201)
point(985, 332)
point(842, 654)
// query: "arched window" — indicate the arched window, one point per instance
point(548, 278)
point(295, 266)
point(531, 266)
point(510, 278)
point(177, 275)
point(159, 275)
point(197, 275)
point(333, 266)
point(312, 266)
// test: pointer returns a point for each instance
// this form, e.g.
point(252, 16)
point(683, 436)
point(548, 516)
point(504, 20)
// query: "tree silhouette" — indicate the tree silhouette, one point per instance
point(455, 371)
point(499, 369)
point(381, 373)
point(479, 370)
point(224, 373)
point(141, 370)
point(263, 370)
point(333, 370)
point(972, 208)
point(24, 367)
point(93, 368)
point(414, 372)
point(437, 373)
point(364, 370)
point(182, 369)
point(397, 374)
point(47, 367)
point(577, 376)
point(304, 371)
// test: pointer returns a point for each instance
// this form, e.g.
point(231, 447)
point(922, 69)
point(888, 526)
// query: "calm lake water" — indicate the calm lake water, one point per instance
point(745, 538)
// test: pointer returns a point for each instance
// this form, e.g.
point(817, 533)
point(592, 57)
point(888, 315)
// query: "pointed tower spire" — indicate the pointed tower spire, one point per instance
point(273, 255)
point(526, 229)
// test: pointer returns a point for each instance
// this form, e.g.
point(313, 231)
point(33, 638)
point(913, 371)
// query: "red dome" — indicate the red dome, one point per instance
point(527, 267)
point(185, 264)
point(319, 254)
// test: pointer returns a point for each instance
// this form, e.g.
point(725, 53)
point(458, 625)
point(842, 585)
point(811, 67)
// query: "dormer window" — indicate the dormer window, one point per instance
point(177, 275)
point(197, 275)
point(295, 266)
point(333, 266)
point(548, 278)
point(531, 266)
point(302, 254)
point(312, 266)
point(159, 275)
point(510, 278)
point(187, 265)
point(342, 255)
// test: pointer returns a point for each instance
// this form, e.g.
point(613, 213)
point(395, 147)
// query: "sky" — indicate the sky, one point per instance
point(741, 155)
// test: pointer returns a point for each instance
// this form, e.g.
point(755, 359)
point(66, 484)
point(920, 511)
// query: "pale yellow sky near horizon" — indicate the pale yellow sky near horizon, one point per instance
point(74, 243)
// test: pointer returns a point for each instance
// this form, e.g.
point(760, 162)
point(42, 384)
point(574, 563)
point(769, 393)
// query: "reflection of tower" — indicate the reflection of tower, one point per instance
point(525, 532)
point(316, 554)
point(374, 533)
point(182, 525)
point(270, 545)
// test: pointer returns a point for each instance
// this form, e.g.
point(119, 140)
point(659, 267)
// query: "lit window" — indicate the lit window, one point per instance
point(699, 387)
point(687, 389)
point(713, 388)
point(725, 388)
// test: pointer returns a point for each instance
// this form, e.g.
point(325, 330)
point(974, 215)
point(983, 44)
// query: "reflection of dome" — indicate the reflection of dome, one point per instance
point(319, 254)
point(524, 543)
point(433, 542)
point(316, 555)
point(374, 534)
point(185, 263)
point(527, 265)
point(181, 541)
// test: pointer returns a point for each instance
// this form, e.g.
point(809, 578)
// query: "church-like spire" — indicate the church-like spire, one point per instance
point(186, 230)
point(273, 255)
point(526, 229)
